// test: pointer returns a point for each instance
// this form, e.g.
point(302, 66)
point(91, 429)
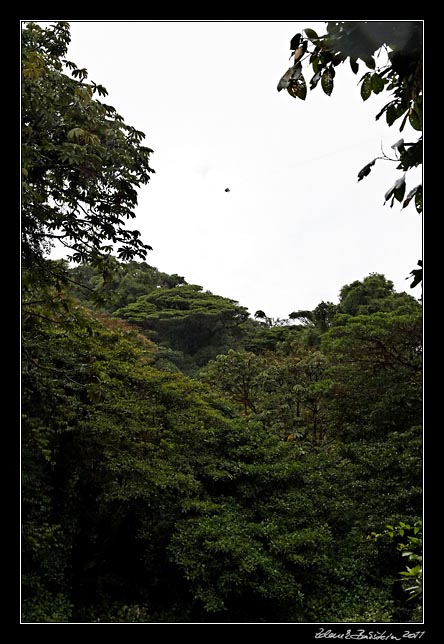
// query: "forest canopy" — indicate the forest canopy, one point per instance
point(182, 460)
point(248, 492)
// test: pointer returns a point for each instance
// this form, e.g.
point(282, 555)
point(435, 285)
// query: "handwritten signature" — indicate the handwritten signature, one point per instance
point(362, 634)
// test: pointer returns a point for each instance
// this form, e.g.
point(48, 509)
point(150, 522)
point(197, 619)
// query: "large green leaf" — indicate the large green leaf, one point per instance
point(315, 80)
point(311, 34)
point(415, 118)
point(315, 61)
point(377, 83)
point(354, 65)
point(327, 81)
point(366, 87)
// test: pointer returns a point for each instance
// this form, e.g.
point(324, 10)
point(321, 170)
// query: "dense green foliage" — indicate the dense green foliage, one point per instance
point(81, 164)
point(121, 286)
point(195, 325)
point(409, 543)
point(248, 496)
point(191, 326)
point(182, 461)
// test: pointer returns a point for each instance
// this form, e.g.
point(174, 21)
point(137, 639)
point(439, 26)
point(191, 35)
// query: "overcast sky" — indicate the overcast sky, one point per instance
point(296, 225)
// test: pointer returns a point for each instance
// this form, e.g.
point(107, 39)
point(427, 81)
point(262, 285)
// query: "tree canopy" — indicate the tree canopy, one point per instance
point(251, 492)
point(81, 163)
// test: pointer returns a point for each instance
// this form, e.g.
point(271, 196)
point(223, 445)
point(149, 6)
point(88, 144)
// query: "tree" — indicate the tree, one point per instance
point(189, 320)
point(81, 164)
point(372, 295)
point(315, 322)
point(292, 401)
point(128, 281)
point(237, 374)
point(399, 73)
point(284, 390)
point(377, 370)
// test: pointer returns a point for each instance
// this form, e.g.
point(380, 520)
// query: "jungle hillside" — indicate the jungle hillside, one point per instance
point(185, 460)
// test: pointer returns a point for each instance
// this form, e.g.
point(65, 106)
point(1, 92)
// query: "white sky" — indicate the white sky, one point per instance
point(296, 225)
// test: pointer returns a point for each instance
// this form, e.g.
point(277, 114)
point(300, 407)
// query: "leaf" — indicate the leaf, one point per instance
point(75, 134)
point(315, 62)
point(102, 91)
point(410, 195)
point(338, 58)
point(298, 88)
point(370, 62)
point(366, 87)
point(397, 190)
point(80, 73)
point(393, 113)
point(398, 146)
point(354, 65)
point(379, 114)
point(416, 570)
point(284, 82)
point(366, 170)
point(69, 64)
point(333, 28)
point(388, 194)
point(377, 83)
point(315, 80)
point(400, 189)
point(297, 71)
point(415, 119)
point(327, 81)
point(404, 120)
point(418, 201)
point(311, 34)
point(411, 156)
point(292, 73)
point(294, 42)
